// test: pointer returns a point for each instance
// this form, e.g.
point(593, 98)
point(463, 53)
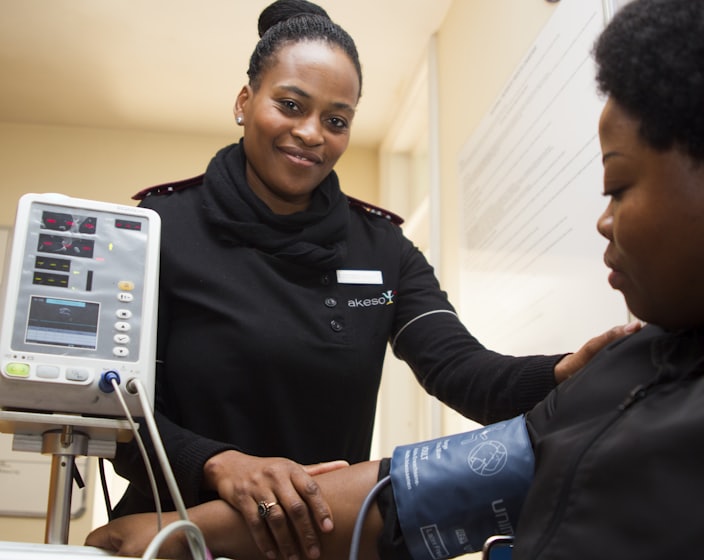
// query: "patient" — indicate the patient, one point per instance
point(619, 448)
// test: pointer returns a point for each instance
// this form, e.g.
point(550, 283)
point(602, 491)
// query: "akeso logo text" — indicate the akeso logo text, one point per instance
point(386, 298)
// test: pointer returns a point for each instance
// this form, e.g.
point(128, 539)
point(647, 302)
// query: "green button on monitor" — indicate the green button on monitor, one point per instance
point(16, 369)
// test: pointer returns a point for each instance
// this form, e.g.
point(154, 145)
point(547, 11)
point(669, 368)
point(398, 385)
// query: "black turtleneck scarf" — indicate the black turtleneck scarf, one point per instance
point(314, 238)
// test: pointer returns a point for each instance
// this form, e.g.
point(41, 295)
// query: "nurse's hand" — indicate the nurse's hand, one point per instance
point(572, 363)
point(279, 500)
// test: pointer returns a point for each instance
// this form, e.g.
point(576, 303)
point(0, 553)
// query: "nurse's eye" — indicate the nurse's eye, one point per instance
point(290, 106)
point(338, 123)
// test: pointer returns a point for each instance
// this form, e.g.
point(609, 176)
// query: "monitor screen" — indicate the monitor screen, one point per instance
point(63, 322)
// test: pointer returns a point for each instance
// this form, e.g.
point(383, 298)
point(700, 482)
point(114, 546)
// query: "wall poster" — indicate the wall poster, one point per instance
point(532, 274)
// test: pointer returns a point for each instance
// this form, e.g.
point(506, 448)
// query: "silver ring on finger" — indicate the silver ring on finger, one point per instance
point(264, 508)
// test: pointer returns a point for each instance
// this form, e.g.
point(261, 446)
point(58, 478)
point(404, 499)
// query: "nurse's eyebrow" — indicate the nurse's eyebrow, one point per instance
point(297, 91)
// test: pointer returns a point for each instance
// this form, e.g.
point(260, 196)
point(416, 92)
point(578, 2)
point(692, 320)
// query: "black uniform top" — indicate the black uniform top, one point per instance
point(273, 330)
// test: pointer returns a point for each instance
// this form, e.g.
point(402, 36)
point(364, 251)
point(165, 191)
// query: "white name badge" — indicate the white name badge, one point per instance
point(359, 277)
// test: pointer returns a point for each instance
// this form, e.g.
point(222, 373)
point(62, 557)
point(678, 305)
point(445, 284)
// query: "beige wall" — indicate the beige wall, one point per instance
point(358, 170)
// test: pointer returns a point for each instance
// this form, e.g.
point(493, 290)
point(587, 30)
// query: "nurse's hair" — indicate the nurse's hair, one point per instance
point(292, 21)
point(650, 60)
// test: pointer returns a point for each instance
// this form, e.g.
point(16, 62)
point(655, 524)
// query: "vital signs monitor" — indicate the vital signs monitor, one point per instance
point(79, 302)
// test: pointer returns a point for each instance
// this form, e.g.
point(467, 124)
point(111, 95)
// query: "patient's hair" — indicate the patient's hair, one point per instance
point(650, 60)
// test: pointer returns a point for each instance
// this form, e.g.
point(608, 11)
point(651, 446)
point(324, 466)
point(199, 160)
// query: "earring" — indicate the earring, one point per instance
point(239, 119)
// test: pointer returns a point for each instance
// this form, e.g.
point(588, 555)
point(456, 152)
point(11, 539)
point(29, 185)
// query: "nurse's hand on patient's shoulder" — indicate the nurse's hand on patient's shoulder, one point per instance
point(572, 363)
point(131, 535)
point(278, 498)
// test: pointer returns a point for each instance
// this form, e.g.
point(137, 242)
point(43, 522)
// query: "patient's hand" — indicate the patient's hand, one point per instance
point(132, 534)
point(222, 526)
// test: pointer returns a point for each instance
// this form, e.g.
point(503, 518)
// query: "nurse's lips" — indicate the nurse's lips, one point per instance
point(302, 155)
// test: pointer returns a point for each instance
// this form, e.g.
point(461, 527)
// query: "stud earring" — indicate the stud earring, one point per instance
point(239, 119)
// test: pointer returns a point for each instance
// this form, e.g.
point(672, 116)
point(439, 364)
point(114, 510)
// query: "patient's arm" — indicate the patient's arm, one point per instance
point(227, 534)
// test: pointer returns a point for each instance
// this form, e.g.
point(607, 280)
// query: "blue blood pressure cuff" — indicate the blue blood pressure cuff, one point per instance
point(453, 492)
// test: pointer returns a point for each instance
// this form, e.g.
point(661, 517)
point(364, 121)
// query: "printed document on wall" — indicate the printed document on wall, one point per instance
point(532, 274)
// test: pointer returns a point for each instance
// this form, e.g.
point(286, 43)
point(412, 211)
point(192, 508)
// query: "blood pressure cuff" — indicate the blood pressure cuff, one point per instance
point(453, 492)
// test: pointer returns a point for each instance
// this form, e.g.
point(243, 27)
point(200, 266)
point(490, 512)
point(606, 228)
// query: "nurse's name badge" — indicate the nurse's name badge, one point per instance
point(359, 277)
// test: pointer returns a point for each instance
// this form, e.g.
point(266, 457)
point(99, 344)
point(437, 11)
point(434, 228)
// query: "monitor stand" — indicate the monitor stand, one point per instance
point(63, 436)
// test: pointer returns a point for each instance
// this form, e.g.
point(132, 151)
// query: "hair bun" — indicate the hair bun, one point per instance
point(281, 10)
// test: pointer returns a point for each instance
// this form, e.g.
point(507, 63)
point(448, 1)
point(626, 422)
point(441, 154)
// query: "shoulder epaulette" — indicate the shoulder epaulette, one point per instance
point(375, 210)
point(166, 188)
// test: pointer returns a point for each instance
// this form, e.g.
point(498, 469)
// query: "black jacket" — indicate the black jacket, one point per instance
point(275, 357)
point(620, 456)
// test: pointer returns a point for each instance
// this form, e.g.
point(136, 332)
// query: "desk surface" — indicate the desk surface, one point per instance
point(31, 551)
